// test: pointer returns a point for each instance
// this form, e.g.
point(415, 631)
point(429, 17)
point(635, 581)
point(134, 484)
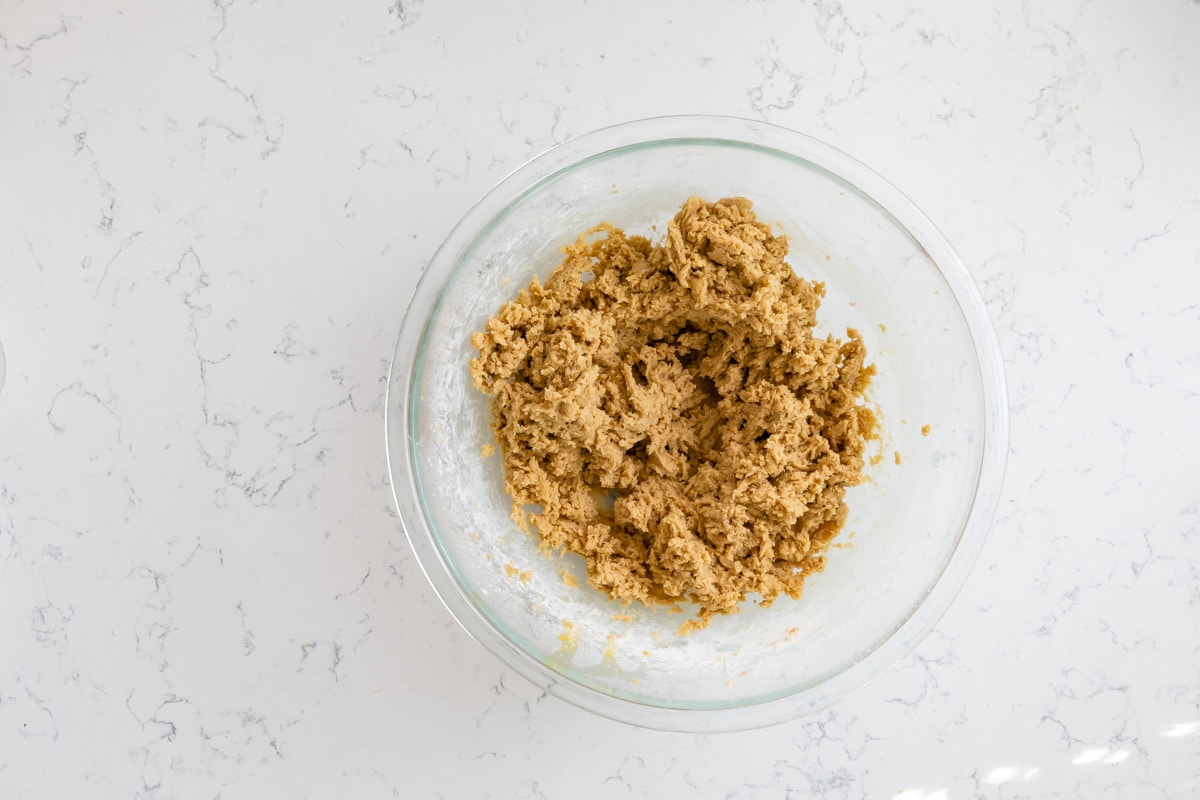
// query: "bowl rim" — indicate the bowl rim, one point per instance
point(700, 129)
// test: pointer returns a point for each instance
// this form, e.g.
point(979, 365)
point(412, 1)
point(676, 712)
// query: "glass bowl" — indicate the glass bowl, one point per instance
point(914, 528)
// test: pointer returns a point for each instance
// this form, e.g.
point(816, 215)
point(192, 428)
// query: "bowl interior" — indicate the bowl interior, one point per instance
point(904, 522)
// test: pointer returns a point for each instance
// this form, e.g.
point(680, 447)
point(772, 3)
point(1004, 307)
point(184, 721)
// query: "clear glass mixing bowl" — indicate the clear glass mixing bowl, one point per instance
point(914, 530)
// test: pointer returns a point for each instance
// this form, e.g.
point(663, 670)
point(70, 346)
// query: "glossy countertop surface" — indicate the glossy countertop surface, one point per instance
point(212, 217)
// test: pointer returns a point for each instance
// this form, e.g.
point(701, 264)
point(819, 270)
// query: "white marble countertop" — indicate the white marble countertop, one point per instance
point(212, 215)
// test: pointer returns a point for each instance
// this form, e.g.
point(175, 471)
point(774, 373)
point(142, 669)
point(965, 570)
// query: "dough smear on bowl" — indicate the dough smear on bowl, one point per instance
point(670, 413)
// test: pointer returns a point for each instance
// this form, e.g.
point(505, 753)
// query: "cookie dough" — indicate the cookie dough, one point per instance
point(666, 412)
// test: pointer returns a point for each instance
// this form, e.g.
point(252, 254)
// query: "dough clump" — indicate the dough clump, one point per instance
point(667, 413)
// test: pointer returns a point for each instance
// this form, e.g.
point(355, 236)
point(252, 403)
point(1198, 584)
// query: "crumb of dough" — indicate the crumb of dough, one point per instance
point(487, 451)
point(669, 413)
point(510, 570)
point(883, 327)
point(622, 618)
point(610, 647)
point(570, 580)
point(897, 457)
point(526, 576)
point(925, 429)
